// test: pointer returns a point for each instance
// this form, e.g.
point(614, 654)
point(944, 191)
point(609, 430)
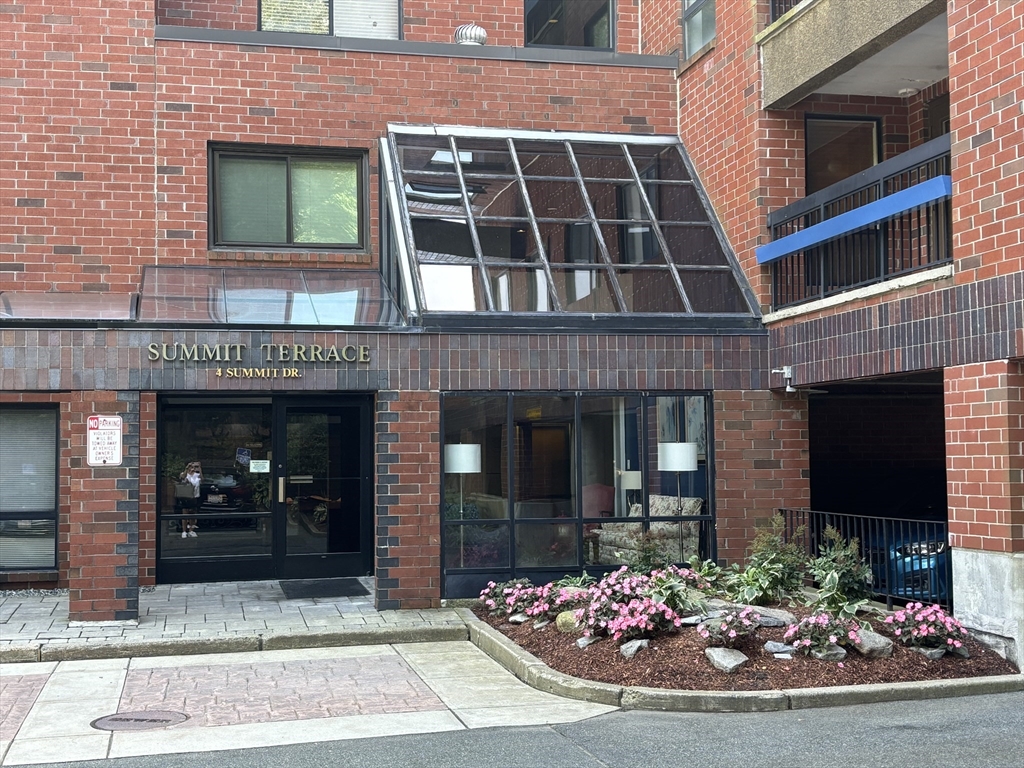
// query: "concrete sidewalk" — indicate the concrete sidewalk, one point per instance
point(177, 619)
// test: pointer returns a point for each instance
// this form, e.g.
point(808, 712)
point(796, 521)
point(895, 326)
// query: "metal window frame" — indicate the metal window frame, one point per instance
point(53, 514)
point(215, 151)
point(612, 32)
point(688, 14)
point(330, 19)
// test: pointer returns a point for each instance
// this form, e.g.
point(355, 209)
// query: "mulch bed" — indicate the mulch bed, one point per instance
point(677, 661)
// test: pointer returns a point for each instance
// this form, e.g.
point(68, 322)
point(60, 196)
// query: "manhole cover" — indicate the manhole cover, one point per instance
point(138, 721)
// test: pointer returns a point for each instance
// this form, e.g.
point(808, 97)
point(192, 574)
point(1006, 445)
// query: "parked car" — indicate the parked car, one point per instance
point(909, 552)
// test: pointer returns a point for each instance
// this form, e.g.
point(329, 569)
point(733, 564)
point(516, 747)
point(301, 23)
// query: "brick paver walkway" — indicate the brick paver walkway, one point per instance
point(17, 695)
point(224, 694)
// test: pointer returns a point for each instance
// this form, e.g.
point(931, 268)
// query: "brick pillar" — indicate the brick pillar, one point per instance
point(103, 512)
point(762, 463)
point(984, 405)
point(408, 489)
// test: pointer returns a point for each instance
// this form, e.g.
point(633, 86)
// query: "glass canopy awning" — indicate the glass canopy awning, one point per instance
point(544, 223)
point(316, 297)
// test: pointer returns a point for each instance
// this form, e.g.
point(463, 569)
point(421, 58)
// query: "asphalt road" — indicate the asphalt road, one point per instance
point(973, 732)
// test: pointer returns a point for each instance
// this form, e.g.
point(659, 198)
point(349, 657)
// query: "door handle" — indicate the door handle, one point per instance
point(280, 489)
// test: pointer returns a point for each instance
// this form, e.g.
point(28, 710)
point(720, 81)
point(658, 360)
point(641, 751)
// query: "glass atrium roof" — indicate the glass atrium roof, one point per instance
point(534, 222)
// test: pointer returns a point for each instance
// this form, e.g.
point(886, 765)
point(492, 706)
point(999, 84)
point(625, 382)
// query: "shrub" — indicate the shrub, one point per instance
point(729, 629)
point(508, 597)
point(619, 606)
point(551, 599)
point(930, 627)
point(709, 572)
point(648, 555)
point(774, 569)
point(678, 588)
point(820, 630)
point(843, 578)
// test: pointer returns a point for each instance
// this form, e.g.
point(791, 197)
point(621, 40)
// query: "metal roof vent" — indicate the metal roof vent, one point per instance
point(471, 34)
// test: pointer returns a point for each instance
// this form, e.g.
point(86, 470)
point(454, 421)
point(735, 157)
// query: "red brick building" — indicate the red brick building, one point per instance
point(443, 312)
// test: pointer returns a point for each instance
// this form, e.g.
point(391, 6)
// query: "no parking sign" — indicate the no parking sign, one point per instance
point(104, 443)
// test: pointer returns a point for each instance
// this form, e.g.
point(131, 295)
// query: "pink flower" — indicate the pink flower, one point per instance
point(732, 633)
point(840, 664)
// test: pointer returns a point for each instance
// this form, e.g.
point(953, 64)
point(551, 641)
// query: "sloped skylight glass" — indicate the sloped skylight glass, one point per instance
point(531, 222)
point(268, 297)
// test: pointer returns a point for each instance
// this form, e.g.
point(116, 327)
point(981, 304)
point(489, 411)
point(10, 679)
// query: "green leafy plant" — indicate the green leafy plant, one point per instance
point(843, 578)
point(678, 589)
point(775, 567)
point(509, 597)
point(709, 572)
point(817, 632)
point(648, 555)
point(926, 627)
point(581, 582)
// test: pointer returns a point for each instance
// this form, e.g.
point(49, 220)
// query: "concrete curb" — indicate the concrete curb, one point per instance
point(240, 644)
point(534, 672)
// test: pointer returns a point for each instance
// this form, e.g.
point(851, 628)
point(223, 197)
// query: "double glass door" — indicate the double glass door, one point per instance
point(262, 488)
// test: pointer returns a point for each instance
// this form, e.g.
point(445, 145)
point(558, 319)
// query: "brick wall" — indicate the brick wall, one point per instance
point(985, 455)
point(986, 84)
point(761, 463)
point(76, 149)
point(661, 28)
point(408, 496)
point(212, 14)
point(147, 488)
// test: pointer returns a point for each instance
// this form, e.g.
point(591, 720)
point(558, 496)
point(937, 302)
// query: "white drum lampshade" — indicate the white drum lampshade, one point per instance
point(462, 458)
point(677, 457)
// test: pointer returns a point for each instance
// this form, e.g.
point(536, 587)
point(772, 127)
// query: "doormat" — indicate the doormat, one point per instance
point(298, 589)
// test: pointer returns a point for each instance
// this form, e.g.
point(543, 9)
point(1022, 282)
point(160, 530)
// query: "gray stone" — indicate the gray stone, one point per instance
point(583, 642)
point(540, 623)
point(829, 653)
point(518, 618)
point(962, 651)
point(727, 660)
point(566, 622)
point(773, 647)
point(775, 617)
point(873, 645)
point(629, 650)
point(690, 621)
point(787, 656)
point(931, 653)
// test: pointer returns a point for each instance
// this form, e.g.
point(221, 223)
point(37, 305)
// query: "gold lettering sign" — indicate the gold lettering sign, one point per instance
point(269, 353)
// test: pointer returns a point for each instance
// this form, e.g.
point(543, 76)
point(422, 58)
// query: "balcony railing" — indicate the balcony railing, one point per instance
point(909, 559)
point(781, 7)
point(889, 220)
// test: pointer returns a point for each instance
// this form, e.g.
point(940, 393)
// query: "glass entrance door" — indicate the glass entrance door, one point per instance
point(322, 503)
point(263, 488)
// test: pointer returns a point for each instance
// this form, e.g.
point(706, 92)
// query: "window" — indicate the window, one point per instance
point(300, 199)
point(541, 223)
point(28, 488)
point(698, 24)
point(537, 483)
point(570, 23)
point(341, 18)
point(837, 148)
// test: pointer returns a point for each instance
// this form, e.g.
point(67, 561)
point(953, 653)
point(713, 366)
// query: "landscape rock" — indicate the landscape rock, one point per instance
point(540, 623)
point(931, 653)
point(583, 642)
point(873, 645)
point(629, 650)
point(829, 653)
point(727, 660)
point(690, 621)
point(787, 656)
point(518, 618)
point(774, 617)
point(962, 651)
point(773, 647)
point(566, 622)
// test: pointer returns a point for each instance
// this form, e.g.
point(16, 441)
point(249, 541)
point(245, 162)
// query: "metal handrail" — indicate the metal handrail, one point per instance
point(873, 176)
point(909, 559)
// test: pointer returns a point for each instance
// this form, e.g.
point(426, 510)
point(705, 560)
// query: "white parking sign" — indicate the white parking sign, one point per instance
point(104, 443)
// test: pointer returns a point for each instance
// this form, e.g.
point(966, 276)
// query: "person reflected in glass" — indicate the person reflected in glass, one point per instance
point(193, 475)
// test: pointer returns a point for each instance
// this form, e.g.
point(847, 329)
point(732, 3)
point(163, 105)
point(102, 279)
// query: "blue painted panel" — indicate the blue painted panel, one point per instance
point(926, 192)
